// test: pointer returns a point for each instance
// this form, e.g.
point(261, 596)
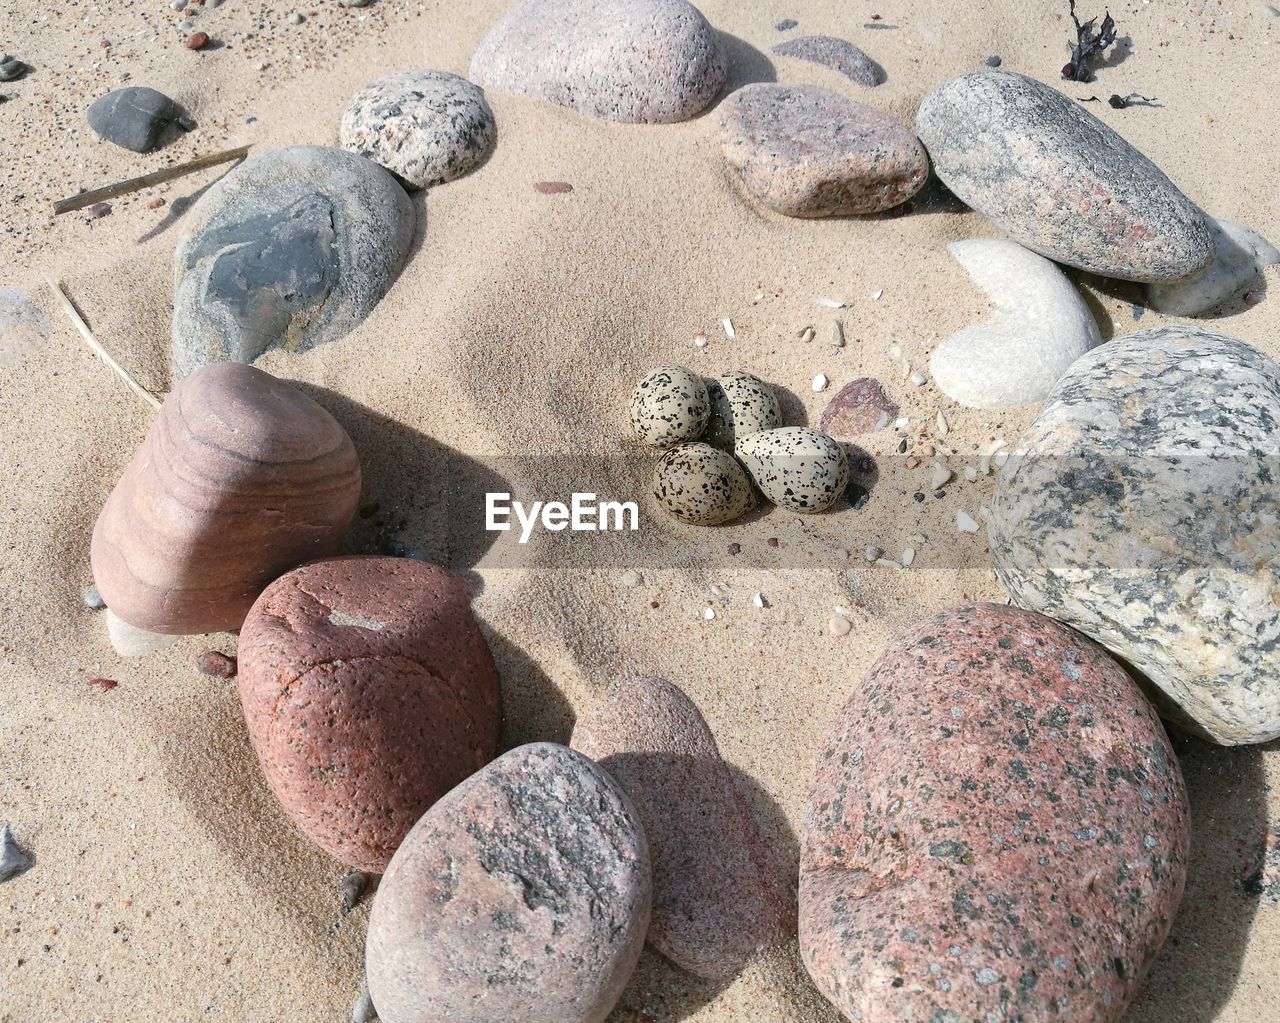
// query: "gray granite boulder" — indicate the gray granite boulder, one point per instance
point(1142, 508)
point(426, 127)
point(523, 894)
point(1059, 181)
point(837, 54)
point(810, 152)
point(291, 249)
point(135, 118)
point(637, 61)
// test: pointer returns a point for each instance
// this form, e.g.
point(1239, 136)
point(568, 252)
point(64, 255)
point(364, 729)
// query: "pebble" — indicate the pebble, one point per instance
point(631, 579)
point(296, 18)
point(719, 895)
point(217, 664)
point(963, 808)
point(795, 467)
point(177, 5)
point(837, 54)
point(873, 554)
point(348, 669)
point(702, 485)
point(292, 248)
point(197, 41)
point(1140, 508)
point(135, 117)
point(941, 476)
point(1040, 326)
point(130, 641)
point(819, 382)
point(99, 210)
point(11, 69)
point(93, 599)
point(669, 405)
point(636, 61)
point(14, 860)
point(1057, 180)
point(908, 556)
point(859, 407)
point(348, 3)
point(426, 127)
point(1240, 253)
point(917, 378)
point(805, 151)
point(837, 334)
point(240, 478)
point(786, 24)
point(838, 626)
point(993, 61)
point(966, 523)
point(741, 404)
point(552, 187)
point(524, 894)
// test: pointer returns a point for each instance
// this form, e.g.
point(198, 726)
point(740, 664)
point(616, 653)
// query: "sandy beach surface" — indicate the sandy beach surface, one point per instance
point(168, 883)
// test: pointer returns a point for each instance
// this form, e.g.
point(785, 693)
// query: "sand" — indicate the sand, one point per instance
point(168, 884)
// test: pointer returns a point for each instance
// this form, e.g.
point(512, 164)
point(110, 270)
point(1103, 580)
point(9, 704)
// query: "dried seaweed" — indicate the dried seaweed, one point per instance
point(1090, 45)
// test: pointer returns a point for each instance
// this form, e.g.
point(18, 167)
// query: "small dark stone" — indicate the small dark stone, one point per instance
point(735, 549)
point(786, 24)
point(993, 61)
point(11, 69)
point(99, 210)
point(197, 41)
point(918, 497)
point(134, 117)
point(857, 495)
point(772, 541)
point(105, 684)
point(211, 662)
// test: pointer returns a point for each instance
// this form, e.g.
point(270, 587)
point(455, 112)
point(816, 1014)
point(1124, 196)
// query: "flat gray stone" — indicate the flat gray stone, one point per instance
point(837, 54)
point(1142, 508)
point(291, 249)
point(637, 61)
point(1240, 253)
point(523, 894)
point(809, 152)
point(134, 118)
point(1056, 179)
point(426, 127)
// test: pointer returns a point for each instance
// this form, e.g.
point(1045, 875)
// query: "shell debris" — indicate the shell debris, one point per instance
point(966, 522)
point(917, 378)
point(943, 427)
point(760, 600)
point(908, 556)
point(838, 626)
point(875, 295)
point(837, 333)
point(729, 332)
point(941, 476)
point(832, 303)
point(708, 613)
point(700, 340)
point(819, 383)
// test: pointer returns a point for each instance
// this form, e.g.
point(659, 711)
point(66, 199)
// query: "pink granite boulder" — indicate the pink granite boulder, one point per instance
point(369, 692)
point(810, 152)
point(522, 895)
point(241, 477)
point(997, 829)
point(719, 895)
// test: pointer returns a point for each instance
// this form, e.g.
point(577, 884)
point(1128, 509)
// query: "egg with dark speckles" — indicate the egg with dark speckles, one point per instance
point(997, 829)
point(795, 467)
point(702, 485)
point(741, 404)
point(668, 406)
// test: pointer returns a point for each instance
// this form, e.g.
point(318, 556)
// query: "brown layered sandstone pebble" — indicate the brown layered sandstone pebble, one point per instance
point(719, 896)
point(522, 895)
point(369, 692)
point(241, 477)
point(809, 152)
point(997, 829)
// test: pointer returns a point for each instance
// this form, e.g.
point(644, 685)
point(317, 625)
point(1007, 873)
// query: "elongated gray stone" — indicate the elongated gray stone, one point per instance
point(637, 61)
point(1142, 508)
point(292, 249)
point(837, 54)
point(1059, 181)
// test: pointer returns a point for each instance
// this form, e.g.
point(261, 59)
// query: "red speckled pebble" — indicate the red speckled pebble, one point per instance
point(997, 829)
point(718, 893)
point(197, 41)
point(369, 692)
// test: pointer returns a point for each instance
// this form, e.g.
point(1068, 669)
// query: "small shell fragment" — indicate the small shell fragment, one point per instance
point(760, 601)
point(966, 523)
point(728, 327)
point(831, 303)
point(888, 563)
point(908, 556)
point(873, 553)
point(970, 473)
point(941, 476)
point(709, 613)
point(837, 334)
point(875, 295)
point(917, 378)
point(838, 626)
point(943, 428)
point(631, 579)
point(895, 352)
point(819, 383)
point(700, 340)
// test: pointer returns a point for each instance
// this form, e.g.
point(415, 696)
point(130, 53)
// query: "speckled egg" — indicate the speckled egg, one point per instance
point(669, 405)
point(740, 405)
point(997, 830)
point(702, 485)
point(795, 467)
